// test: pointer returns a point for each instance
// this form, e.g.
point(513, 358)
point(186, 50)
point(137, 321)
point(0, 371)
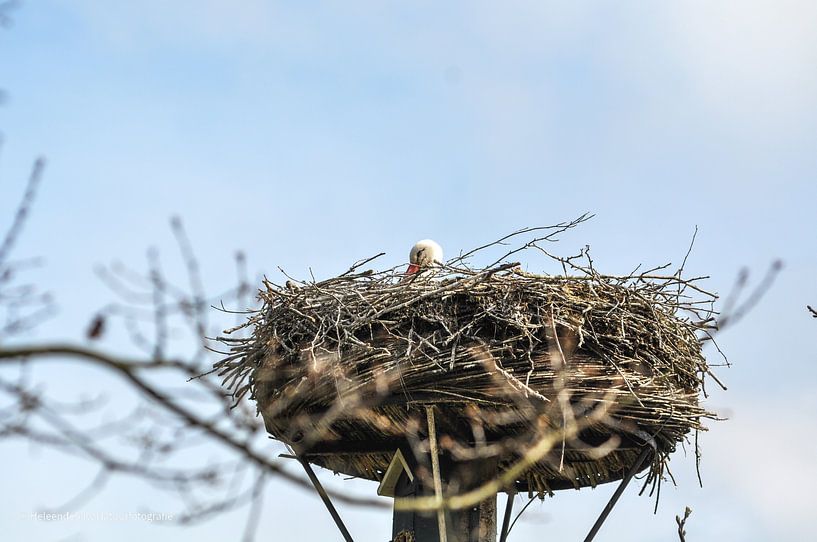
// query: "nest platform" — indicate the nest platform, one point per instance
point(343, 369)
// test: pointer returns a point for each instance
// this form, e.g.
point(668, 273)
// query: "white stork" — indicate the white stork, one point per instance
point(424, 254)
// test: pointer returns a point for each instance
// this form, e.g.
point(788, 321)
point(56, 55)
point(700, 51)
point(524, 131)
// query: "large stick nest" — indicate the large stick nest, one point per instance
point(341, 369)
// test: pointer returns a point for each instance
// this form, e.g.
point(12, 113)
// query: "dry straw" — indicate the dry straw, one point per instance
point(591, 365)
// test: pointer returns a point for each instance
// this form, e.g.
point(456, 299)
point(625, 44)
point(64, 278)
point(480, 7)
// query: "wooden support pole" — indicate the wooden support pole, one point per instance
point(433, 473)
point(435, 469)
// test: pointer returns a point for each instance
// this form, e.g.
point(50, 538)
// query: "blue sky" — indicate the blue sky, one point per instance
point(315, 134)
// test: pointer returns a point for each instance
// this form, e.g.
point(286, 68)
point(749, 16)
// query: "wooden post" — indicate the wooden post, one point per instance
point(435, 467)
point(476, 523)
point(473, 524)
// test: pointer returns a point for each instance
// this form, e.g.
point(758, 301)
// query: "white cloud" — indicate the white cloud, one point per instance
point(749, 62)
point(748, 58)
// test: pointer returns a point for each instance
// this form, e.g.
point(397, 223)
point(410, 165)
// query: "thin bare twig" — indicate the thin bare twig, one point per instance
point(682, 524)
point(23, 210)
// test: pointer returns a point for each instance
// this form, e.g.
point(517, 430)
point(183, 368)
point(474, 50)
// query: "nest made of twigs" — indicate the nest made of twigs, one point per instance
point(341, 369)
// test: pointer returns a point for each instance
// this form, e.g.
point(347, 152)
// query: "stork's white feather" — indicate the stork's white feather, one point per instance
point(426, 253)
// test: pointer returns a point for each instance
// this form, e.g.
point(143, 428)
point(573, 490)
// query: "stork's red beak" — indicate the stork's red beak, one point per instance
point(412, 268)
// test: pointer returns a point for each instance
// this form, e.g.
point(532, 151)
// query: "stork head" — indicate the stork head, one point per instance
point(425, 253)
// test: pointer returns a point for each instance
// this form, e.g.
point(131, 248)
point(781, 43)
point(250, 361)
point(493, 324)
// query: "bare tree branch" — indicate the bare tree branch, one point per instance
point(23, 210)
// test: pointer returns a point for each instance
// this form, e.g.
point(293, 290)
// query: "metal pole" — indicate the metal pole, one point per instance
point(619, 490)
point(506, 519)
point(324, 496)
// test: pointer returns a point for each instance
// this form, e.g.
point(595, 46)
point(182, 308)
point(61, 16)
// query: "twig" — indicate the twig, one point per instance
point(23, 210)
point(682, 524)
